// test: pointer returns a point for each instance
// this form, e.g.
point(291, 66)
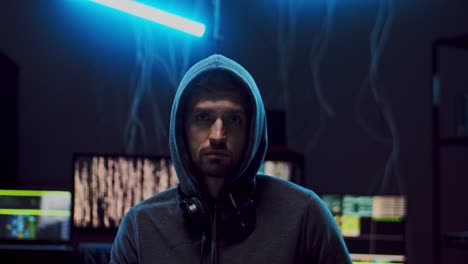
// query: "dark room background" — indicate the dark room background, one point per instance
point(352, 76)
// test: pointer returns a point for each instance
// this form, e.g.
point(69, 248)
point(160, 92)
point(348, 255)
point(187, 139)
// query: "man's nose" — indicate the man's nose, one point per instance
point(218, 131)
point(218, 134)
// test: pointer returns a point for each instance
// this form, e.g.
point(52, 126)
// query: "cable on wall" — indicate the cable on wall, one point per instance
point(316, 54)
point(149, 50)
point(378, 39)
point(285, 42)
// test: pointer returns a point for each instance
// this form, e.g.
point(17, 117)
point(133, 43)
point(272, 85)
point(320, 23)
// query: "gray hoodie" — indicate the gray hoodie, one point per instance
point(255, 219)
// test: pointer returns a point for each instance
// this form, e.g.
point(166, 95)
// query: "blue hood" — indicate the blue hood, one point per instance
point(257, 140)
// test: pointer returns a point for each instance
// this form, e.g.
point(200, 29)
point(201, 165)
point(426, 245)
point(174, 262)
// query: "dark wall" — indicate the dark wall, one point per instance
point(9, 117)
point(79, 71)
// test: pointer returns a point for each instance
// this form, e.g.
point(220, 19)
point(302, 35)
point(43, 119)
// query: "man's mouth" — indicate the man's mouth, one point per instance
point(216, 154)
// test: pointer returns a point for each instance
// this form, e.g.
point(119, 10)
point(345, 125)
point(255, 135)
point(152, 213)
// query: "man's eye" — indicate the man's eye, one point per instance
point(234, 120)
point(202, 117)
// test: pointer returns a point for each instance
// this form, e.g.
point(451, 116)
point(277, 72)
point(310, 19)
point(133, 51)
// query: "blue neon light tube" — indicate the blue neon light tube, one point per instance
point(156, 15)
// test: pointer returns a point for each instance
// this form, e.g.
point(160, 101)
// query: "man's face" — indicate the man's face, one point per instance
point(216, 128)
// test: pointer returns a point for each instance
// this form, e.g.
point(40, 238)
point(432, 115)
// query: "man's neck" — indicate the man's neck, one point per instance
point(213, 185)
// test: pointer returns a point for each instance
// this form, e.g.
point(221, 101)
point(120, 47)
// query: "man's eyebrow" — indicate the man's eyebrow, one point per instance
point(214, 109)
point(198, 109)
point(239, 110)
point(236, 111)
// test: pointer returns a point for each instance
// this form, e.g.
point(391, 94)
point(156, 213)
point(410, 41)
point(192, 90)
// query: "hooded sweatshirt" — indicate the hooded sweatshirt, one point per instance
point(255, 219)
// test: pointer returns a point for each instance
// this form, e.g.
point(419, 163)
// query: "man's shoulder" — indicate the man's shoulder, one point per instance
point(276, 182)
point(160, 200)
point(289, 200)
point(288, 190)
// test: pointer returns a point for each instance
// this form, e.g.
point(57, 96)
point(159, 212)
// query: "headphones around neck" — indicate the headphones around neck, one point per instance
point(195, 212)
point(236, 215)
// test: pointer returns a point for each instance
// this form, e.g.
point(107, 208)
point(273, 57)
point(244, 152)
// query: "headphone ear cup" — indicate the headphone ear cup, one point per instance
point(195, 214)
point(201, 219)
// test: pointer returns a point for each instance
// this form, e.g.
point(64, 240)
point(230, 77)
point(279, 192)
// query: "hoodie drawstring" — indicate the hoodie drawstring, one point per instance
point(214, 246)
point(203, 240)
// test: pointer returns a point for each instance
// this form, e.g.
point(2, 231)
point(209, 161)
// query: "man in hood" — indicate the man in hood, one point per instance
point(223, 211)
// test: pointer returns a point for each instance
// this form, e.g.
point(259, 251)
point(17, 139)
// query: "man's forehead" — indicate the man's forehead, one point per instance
point(232, 95)
point(224, 105)
point(224, 92)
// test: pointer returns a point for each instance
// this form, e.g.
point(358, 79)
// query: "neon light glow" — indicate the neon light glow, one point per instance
point(31, 193)
point(156, 15)
point(40, 212)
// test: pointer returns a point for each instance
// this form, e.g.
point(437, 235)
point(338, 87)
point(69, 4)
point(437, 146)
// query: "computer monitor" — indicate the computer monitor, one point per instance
point(377, 259)
point(373, 226)
point(284, 163)
point(277, 168)
point(107, 185)
point(35, 216)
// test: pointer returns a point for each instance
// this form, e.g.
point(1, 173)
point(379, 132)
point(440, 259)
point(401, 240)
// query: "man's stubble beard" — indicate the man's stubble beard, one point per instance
point(216, 168)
